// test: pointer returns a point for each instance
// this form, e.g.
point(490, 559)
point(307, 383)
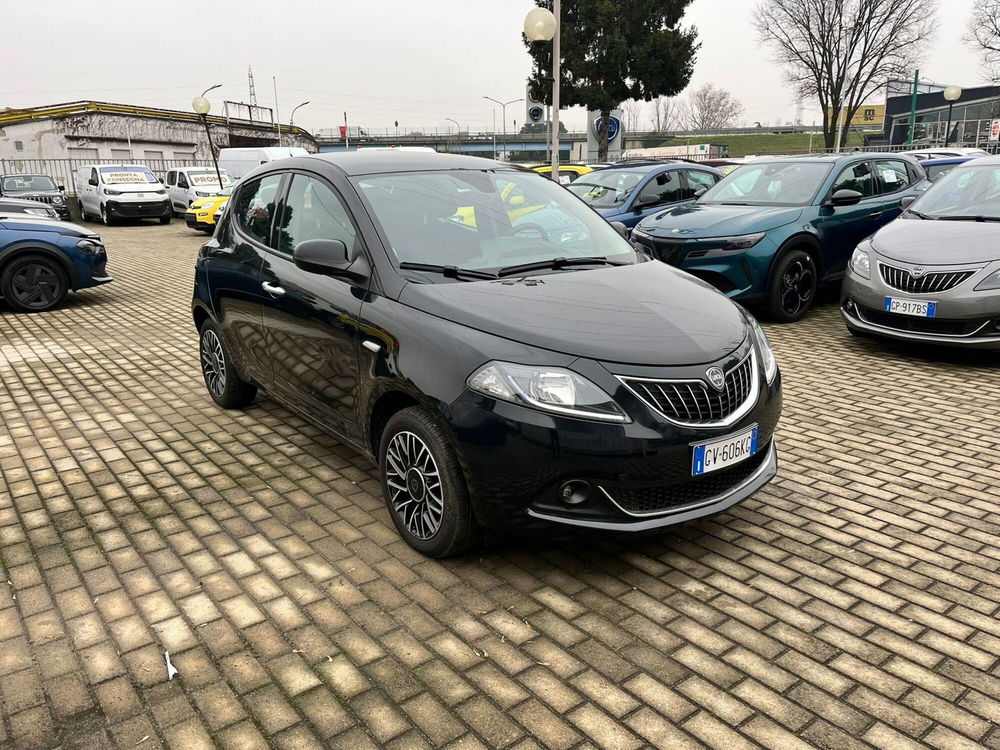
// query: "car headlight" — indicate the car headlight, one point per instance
point(88, 246)
point(990, 283)
point(109, 191)
point(743, 241)
point(861, 263)
point(58, 200)
point(552, 389)
point(767, 359)
point(40, 212)
point(204, 193)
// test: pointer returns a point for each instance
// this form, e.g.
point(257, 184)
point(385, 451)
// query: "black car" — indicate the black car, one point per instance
point(36, 187)
point(504, 370)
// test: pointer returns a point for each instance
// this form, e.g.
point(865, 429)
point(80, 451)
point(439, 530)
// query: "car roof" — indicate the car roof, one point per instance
point(645, 167)
point(949, 160)
point(836, 158)
point(977, 161)
point(362, 162)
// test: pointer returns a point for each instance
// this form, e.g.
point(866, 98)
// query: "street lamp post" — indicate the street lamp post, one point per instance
point(503, 109)
point(951, 95)
point(542, 25)
point(291, 120)
point(203, 106)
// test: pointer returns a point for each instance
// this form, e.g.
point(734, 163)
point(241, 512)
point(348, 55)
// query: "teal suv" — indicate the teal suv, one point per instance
point(774, 229)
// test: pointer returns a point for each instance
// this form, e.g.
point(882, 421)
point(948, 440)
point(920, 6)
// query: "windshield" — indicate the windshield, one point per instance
point(771, 183)
point(209, 177)
point(127, 176)
point(486, 220)
point(27, 182)
point(936, 171)
point(607, 188)
point(965, 191)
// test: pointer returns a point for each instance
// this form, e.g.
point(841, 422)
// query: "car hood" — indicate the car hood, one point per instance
point(21, 200)
point(717, 220)
point(648, 313)
point(29, 223)
point(942, 243)
point(608, 212)
point(31, 194)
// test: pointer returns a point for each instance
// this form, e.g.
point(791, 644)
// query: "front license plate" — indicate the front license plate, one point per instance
point(713, 455)
point(910, 307)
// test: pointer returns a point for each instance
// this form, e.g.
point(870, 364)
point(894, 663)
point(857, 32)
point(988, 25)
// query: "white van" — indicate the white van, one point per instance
point(121, 191)
point(187, 184)
point(239, 161)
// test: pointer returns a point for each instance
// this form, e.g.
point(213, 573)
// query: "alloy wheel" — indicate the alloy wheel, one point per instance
point(797, 287)
point(415, 491)
point(213, 363)
point(36, 285)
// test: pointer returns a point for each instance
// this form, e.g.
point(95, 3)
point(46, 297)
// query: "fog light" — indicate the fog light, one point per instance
point(849, 305)
point(574, 492)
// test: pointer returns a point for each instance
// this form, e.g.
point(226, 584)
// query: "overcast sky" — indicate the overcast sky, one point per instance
point(382, 61)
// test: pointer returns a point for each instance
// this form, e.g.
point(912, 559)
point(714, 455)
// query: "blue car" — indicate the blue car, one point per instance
point(631, 193)
point(41, 260)
point(774, 229)
point(938, 168)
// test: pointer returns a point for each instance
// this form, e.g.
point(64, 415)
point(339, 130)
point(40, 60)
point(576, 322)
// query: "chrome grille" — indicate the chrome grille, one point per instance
point(694, 402)
point(929, 283)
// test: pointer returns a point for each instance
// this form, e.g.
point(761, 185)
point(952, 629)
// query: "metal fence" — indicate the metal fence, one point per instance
point(64, 170)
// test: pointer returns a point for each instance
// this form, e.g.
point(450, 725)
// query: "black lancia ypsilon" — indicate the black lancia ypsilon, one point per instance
point(499, 349)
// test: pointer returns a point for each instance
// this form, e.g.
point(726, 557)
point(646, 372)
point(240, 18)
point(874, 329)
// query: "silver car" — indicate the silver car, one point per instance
point(933, 274)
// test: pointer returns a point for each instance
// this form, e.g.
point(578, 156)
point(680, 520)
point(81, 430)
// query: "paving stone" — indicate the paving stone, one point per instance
point(851, 603)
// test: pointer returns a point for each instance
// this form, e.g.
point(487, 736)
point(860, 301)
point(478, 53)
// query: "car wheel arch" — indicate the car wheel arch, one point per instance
point(10, 253)
point(804, 242)
point(382, 408)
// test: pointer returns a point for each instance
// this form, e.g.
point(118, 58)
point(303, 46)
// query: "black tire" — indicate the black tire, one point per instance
point(224, 384)
point(106, 219)
point(33, 283)
point(792, 288)
point(166, 219)
point(425, 492)
point(84, 216)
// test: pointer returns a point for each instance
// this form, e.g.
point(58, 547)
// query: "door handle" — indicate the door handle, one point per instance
point(271, 289)
point(875, 216)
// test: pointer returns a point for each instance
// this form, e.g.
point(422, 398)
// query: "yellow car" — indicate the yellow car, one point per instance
point(567, 172)
point(204, 212)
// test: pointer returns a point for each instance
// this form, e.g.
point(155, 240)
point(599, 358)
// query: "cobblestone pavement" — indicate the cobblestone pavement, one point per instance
point(852, 602)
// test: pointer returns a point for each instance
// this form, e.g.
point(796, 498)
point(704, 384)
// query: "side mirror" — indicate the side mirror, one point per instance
point(329, 258)
point(845, 198)
point(620, 228)
point(92, 181)
point(161, 180)
point(62, 188)
point(663, 178)
point(700, 192)
point(907, 201)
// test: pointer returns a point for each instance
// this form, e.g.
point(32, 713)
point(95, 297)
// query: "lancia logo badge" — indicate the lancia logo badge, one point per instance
point(918, 272)
point(716, 377)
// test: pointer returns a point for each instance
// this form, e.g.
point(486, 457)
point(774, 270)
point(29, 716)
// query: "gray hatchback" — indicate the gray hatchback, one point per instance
point(933, 274)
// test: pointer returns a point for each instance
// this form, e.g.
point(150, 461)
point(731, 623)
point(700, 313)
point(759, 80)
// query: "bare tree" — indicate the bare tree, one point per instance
point(709, 107)
point(843, 52)
point(631, 110)
point(665, 114)
point(984, 34)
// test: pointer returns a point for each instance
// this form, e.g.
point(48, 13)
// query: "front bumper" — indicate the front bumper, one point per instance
point(739, 274)
point(201, 221)
point(91, 270)
point(139, 209)
point(637, 476)
point(964, 317)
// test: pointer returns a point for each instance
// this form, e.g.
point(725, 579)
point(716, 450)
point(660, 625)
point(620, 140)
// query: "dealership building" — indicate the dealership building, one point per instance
point(53, 139)
point(971, 116)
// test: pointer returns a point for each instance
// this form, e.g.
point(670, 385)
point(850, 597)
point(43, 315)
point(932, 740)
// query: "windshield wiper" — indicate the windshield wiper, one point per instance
point(557, 263)
point(450, 272)
point(920, 215)
point(969, 218)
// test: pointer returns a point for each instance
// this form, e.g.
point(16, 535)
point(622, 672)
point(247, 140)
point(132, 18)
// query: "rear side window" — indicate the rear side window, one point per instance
point(892, 175)
point(857, 177)
point(313, 211)
point(254, 207)
point(667, 187)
